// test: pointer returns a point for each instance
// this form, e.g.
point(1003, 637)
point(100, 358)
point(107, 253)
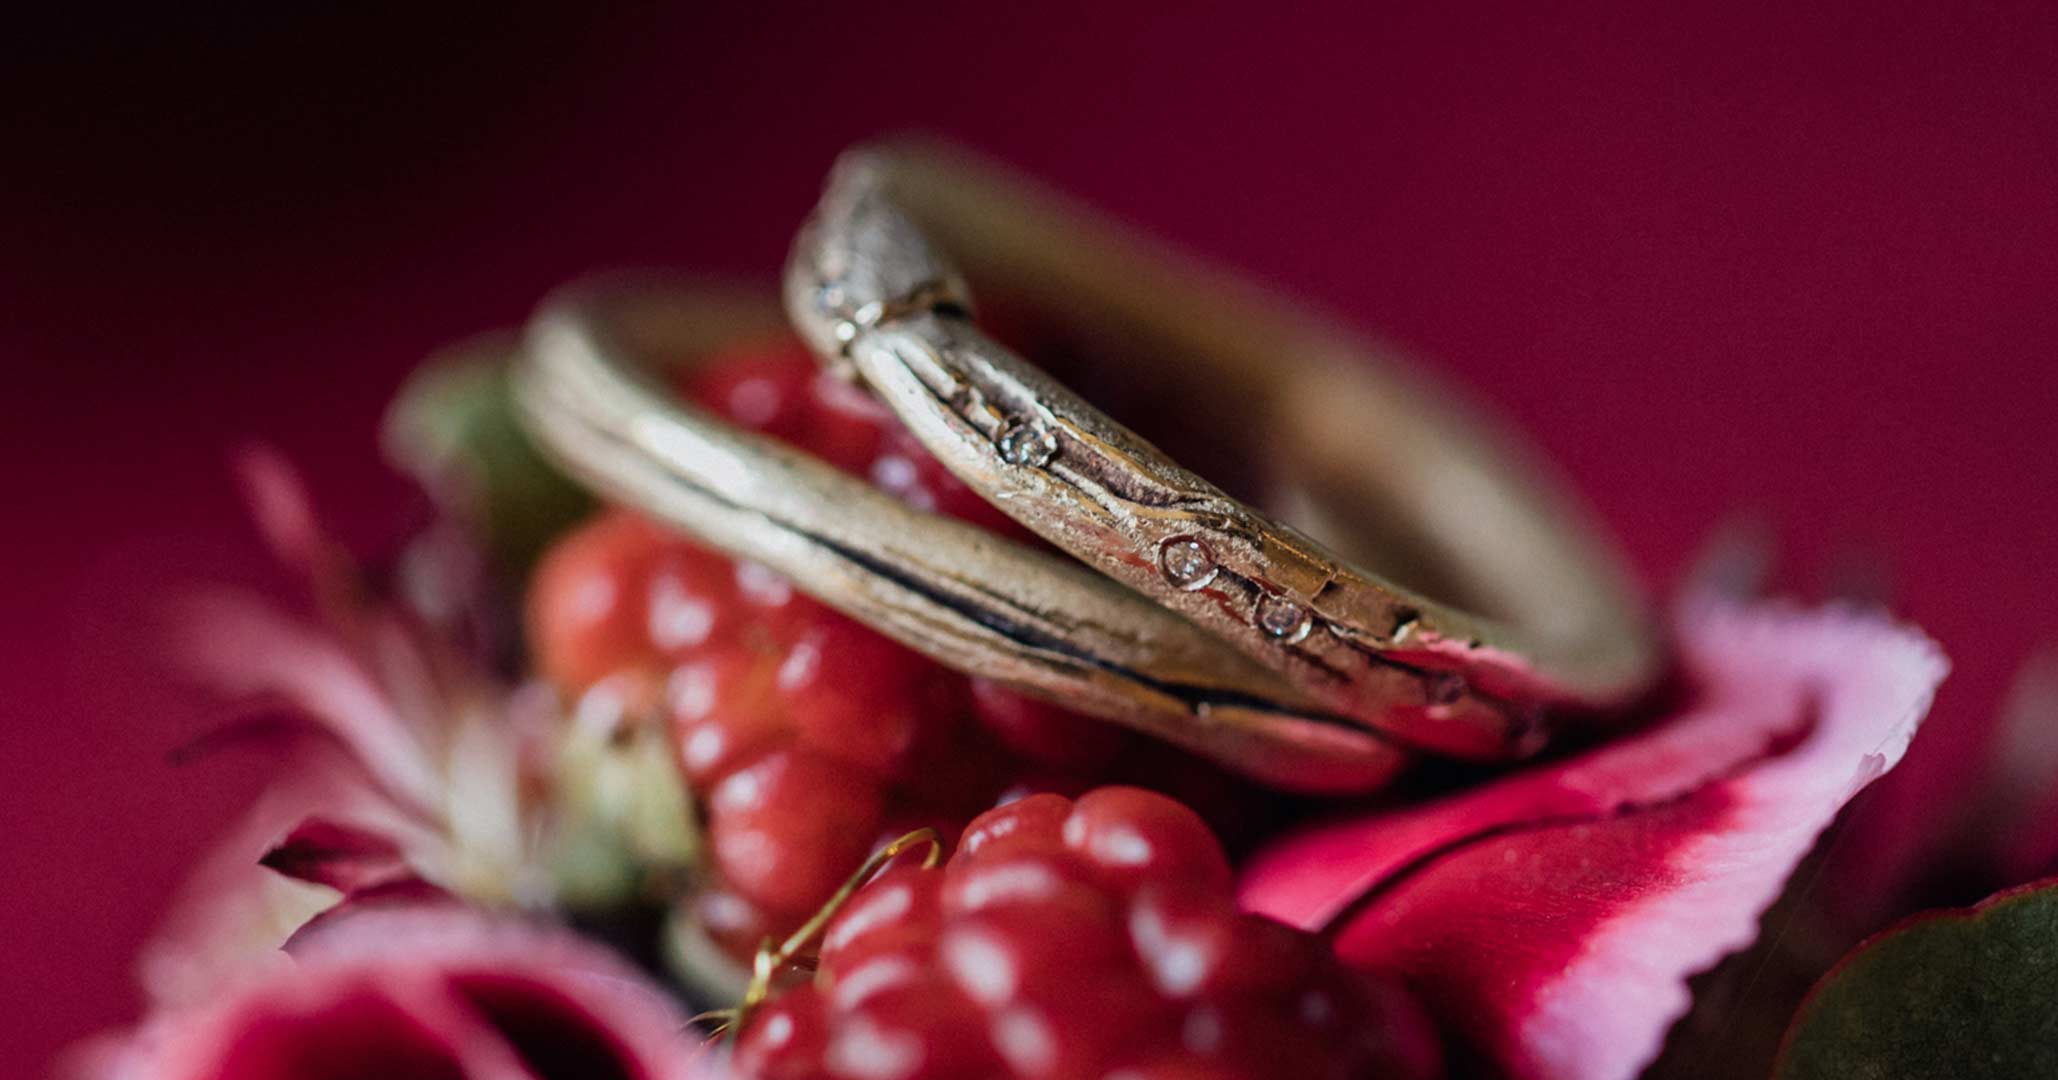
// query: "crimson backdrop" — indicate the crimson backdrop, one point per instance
point(1800, 265)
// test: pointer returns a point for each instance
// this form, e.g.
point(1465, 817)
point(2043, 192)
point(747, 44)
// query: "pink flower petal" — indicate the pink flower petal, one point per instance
point(232, 914)
point(405, 892)
point(1550, 918)
point(342, 856)
point(247, 649)
point(280, 507)
point(421, 992)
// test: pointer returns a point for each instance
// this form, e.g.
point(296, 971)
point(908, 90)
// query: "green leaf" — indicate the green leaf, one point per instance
point(453, 427)
point(1958, 994)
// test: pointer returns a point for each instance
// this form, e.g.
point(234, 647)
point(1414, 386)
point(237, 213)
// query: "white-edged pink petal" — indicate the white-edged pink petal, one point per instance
point(1550, 918)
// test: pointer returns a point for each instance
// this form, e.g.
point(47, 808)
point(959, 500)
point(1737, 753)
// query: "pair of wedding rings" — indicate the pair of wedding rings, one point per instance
point(1169, 605)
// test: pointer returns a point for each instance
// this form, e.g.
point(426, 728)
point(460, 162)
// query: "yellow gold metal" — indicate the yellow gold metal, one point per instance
point(1544, 615)
point(586, 386)
point(771, 959)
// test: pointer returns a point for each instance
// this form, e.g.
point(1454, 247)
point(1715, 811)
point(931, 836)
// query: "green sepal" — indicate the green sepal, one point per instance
point(454, 428)
point(1954, 994)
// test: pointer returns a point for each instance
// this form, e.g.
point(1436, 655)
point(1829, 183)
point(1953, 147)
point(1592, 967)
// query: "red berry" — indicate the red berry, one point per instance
point(764, 389)
point(1197, 944)
point(921, 1031)
point(1099, 1024)
point(956, 768)
point(848, 427)
point(785, 1039)
point(1054, 880)
point(722, 714)
point(1094, 938)
point(730, 921)
point(1174, 1067)
point(780, 391)
point(1261, 1038)
point(1134, 836)
point(895, 909)
point(774, 614)
point(1043, 732)
point(788, 829)
point(586, 604)
point(883, 968)
point(1033, 952)
point(1264, 956)
point(809, 739)
point(1181, 938)
point(909, 812)
point(1033, 823)
point(857, 695)
point(690, 600)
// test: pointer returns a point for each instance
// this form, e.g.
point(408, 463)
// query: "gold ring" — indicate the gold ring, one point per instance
point(1544, 614)
point(587, 389)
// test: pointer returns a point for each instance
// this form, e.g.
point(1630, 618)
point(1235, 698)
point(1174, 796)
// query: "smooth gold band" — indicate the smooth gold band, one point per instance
point(869, 286)
point(586, 387)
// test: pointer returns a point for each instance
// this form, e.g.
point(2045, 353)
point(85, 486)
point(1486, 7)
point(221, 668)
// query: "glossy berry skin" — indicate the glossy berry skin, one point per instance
point(1042, 732)
point(786, 1039)
point(805, 737)
point(1084, 938)
point(587, 612)
point(801, 732)
point(779, 390)
point(1133, 836)
point(1023, 826)
point(782, 825)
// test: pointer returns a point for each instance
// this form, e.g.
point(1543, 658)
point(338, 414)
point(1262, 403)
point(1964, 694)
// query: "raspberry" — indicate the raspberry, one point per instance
point(787, 1039)
point(806, 735)
point(1029, 951)
point(922, 1030)
point(722, 711)
point(856, 694)
point(1094, 937)
point(1135, 835)
point(807, 738)
point(765, 389)
point(897, 910)
point(786, 827)
point(689, 603)
point(1087, 936)
point(587, 609)
point(780, 391)
point(1045, 733)
point(1021, 826)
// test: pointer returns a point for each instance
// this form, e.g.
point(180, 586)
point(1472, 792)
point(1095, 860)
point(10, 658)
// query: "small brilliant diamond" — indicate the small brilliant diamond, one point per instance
point(1282, 618)
point(1186, 562)
point(1028, 442)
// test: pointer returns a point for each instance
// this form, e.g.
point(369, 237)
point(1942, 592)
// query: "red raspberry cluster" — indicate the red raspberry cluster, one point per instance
point(807, 737)
point(1089, 939)
point(780, 391)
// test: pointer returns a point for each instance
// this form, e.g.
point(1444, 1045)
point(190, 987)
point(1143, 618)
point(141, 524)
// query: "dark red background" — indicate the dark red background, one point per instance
point(1798, 265)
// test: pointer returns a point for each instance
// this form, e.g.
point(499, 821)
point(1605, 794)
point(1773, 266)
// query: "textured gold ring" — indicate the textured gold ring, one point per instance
point(588, 388)
point(1544, 615)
